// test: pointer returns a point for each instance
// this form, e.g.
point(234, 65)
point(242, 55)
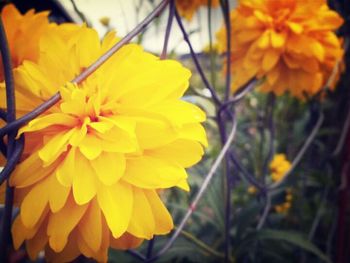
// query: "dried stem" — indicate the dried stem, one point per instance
point(10, 117)
point(249, 177)
point(265, 211)
point(271, 129)
point(301, 152)
point(168, 29)
point(195, 60)
point(225, 6)
point(150, 248)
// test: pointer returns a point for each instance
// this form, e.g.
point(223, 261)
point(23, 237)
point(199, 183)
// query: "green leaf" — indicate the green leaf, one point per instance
point(293, 238)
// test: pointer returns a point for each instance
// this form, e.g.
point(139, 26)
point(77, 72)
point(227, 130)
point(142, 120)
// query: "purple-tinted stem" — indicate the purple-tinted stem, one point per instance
point(266, 210)
point(150, 248)
point(87, 72)
point(168, 29)
point(238, 95)
point(249, 177)
point(229, 183)
point(225, 6)
point(271, 128)
point(12, 160)
point(29, 116)
point(195, 60)
point(136, 254)
point(10, 116)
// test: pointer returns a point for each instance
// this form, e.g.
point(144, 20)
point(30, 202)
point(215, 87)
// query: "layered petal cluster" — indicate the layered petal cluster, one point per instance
point(290, 43)
point(19, 29)
point(279, 166)
point(93, 163)
point(187, 8)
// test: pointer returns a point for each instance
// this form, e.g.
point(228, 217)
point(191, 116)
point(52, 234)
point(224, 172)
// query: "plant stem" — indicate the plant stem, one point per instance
point(150, 248)
point(301, 152)
point(271, 128)
point(225, 7)
point(211, 54)
point(195, 60)
point(168, 29)
point(201, 244)
point(10, 117)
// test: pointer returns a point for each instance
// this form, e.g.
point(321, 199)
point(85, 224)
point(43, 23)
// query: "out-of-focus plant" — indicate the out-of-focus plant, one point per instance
point(246, 203)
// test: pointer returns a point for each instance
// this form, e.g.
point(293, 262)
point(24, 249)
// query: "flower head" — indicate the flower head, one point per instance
point(279, 166)
point(187, 8)
point(289, 43)
point(284, 207)
point(19, 29)
point(97, 157)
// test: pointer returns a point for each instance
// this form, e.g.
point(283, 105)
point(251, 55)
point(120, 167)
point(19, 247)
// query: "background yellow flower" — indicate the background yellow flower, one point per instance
point(19, 30)
point(187, 8)
point(291, 44)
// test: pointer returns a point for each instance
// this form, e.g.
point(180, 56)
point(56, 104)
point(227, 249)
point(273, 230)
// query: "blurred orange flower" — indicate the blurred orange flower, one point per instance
point(187, 8)
point(19, 30)
point(290, 43)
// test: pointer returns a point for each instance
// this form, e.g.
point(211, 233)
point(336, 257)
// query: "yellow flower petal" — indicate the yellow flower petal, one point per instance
point(141, 209)
point(116, 202)
point(66, 170)
point(55, 147)
point(63, 222)
point(149, 172)
point(33, 207)
point(109, 167)
point(84, 181)
point(164, 222)
point(90, 227)
point(184, 152)
point(90, 147)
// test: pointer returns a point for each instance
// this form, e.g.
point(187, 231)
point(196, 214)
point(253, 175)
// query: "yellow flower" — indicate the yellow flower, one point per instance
point(279, 166)
point(93, 163)
point(289, 43)
point(286, 205)
point(252, 190)
point(23, 34)
point(105, 20)
point(187, 8)
point(214, 48)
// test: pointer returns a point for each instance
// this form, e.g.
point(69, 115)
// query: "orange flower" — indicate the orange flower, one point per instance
point(187, 8)
point(19, 30)
point(290, 43)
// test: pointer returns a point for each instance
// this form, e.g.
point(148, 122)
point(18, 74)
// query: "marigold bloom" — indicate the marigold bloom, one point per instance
point(279, 166)
point(284, 207)
point(19, 30)
point(97, 158)
point(187, 8)
point(289, 43)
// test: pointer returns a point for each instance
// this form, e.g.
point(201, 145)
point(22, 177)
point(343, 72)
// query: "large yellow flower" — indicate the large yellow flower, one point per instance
point(92, 164)
point(290, 43)
point(187, 8)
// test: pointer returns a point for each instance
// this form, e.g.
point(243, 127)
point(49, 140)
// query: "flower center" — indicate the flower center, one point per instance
point(280, 18)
